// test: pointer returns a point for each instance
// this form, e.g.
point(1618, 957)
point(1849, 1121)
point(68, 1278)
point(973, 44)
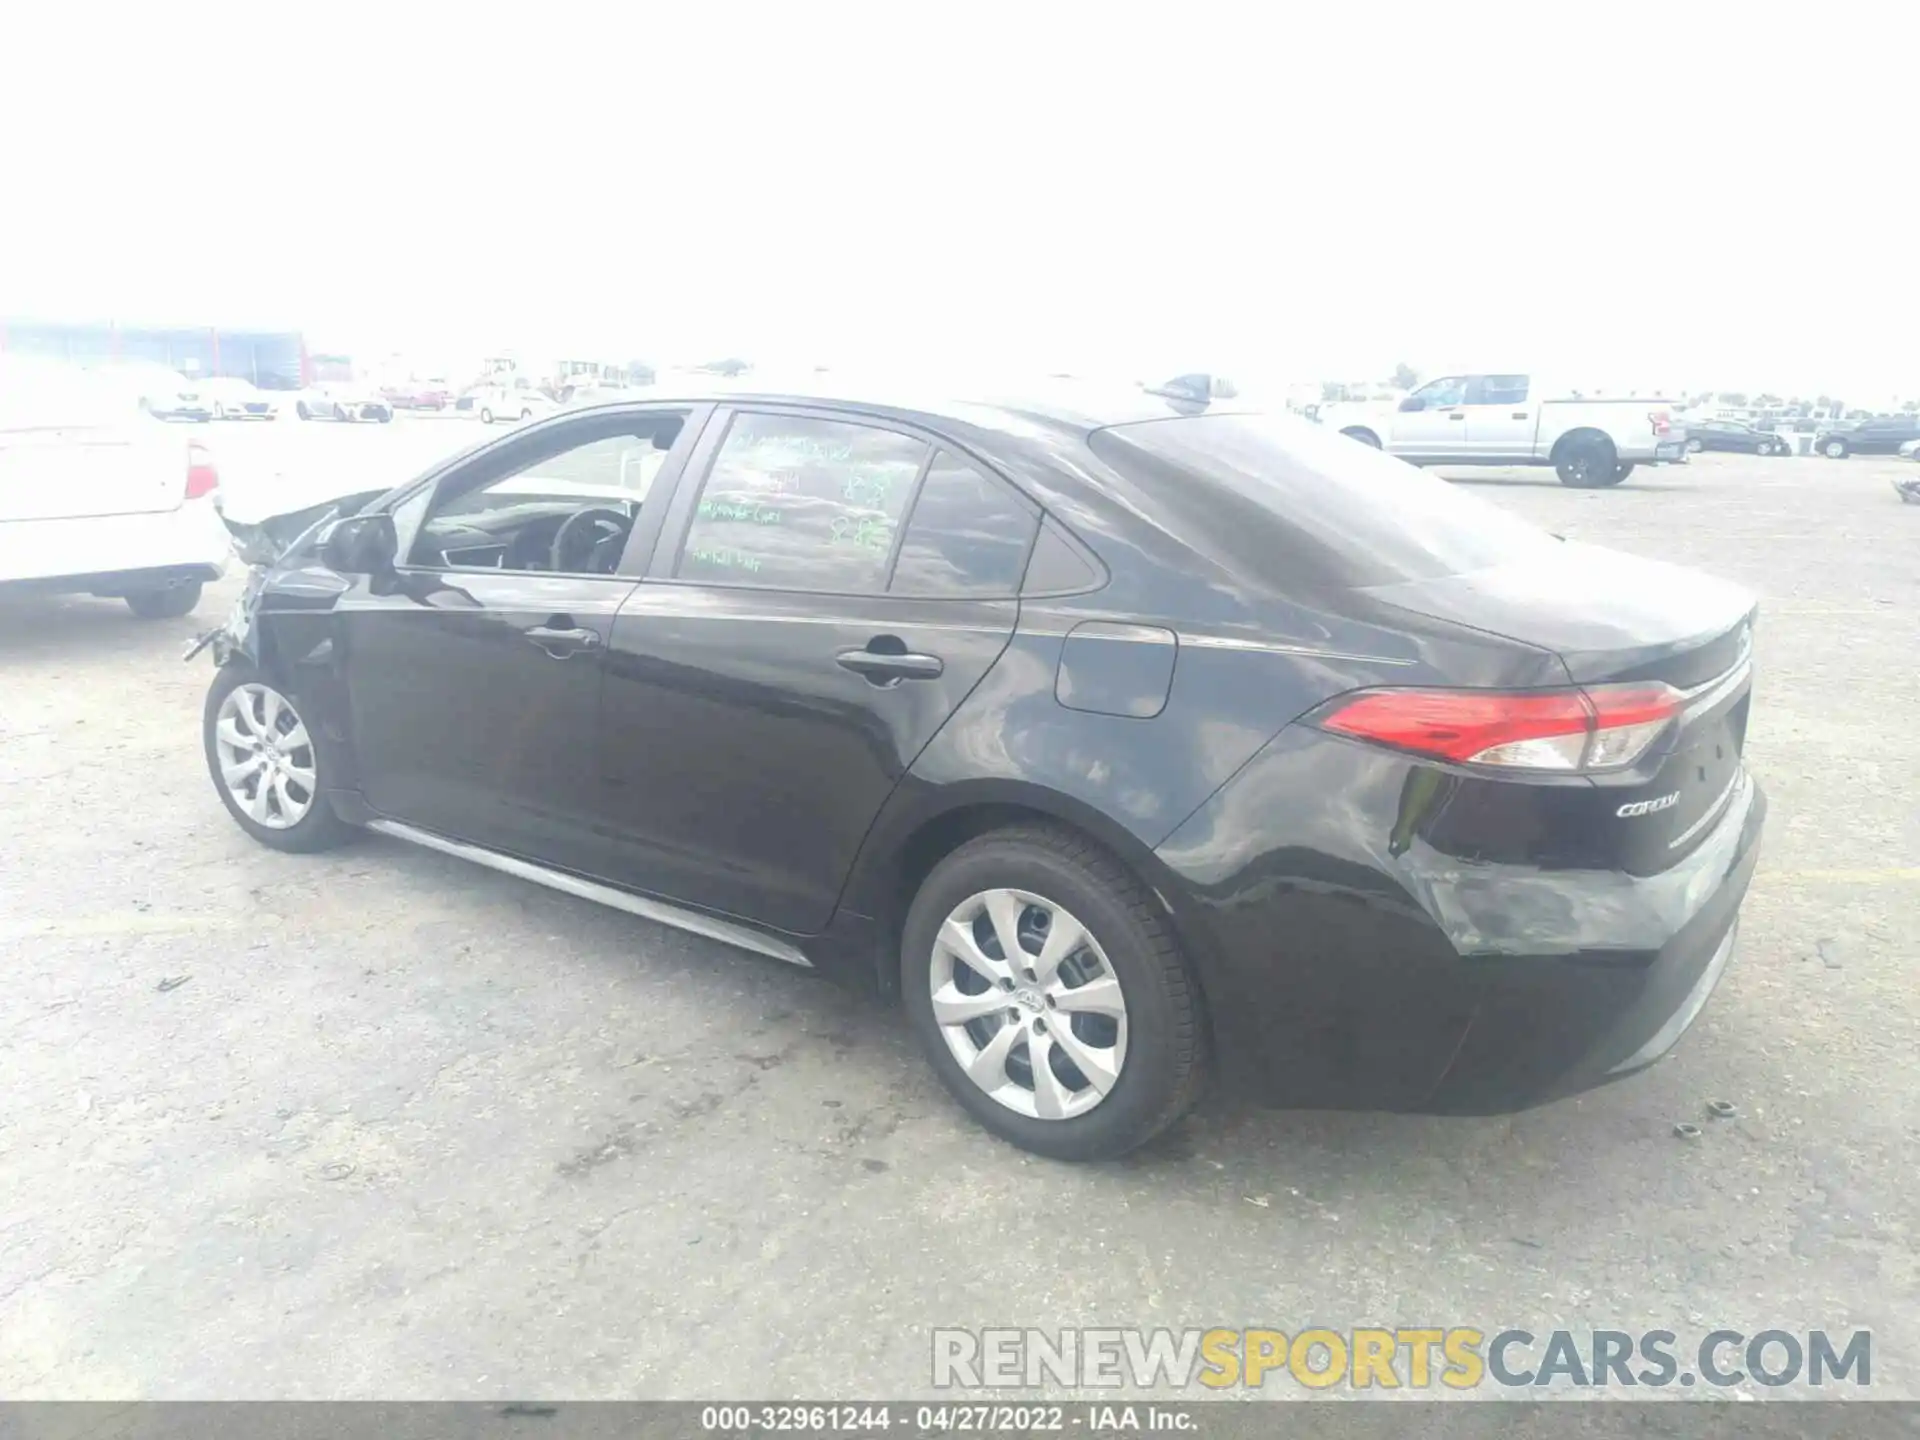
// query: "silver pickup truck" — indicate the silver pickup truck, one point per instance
point(1590, 438)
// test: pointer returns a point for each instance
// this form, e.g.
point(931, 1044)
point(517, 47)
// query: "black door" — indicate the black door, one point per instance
point(473, 675)
point(822, 601)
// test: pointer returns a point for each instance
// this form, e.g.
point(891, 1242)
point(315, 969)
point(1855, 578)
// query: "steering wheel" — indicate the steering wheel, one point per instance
point(593, 526)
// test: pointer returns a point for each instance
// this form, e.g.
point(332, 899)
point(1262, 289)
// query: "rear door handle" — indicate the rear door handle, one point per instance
point(883, 667)
point(561, 642)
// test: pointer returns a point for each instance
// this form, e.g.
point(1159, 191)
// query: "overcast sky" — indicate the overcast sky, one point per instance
point(1699, 194)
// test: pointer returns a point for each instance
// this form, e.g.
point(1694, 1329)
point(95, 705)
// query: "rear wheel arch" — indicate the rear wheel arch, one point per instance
point(1585, 435)
point(893, 865)
point(1363, 434)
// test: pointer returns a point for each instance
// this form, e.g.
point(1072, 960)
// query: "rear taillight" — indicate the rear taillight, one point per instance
point(1661, 421)
point(202, 478)
point(1602, 727)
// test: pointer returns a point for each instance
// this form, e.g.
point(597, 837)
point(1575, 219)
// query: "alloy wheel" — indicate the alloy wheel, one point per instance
point(1028, 1004)
point(266, 756)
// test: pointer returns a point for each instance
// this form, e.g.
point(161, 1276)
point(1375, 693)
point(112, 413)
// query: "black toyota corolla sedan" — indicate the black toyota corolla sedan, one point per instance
point(1123, 737)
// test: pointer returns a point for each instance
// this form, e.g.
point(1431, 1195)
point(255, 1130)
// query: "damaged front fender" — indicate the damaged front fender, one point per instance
point(263, 541)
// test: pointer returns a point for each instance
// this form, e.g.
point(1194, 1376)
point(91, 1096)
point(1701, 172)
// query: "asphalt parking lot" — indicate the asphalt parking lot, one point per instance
point(381, 1124)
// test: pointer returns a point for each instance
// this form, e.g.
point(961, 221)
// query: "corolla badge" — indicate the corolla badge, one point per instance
point(1648, 807)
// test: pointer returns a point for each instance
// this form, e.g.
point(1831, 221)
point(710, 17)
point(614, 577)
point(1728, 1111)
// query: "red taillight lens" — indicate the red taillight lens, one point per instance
point(1602, 727)
point(1661, 421)
point(202, 478)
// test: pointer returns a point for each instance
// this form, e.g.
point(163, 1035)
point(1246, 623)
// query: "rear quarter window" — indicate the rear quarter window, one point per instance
point(1281, 497)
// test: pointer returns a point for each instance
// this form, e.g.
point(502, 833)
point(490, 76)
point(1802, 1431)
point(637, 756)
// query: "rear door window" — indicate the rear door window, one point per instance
point(969, 534)
point(1498, 390)
point(1277, 496)
point(799, 502)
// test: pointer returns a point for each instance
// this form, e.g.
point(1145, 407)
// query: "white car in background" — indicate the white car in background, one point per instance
point(162, 393)
point(512, 400)
point(95, 499)
point(235, 399)
point(342, 400)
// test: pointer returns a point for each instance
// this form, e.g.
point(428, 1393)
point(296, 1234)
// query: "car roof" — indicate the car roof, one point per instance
point(1009, 407)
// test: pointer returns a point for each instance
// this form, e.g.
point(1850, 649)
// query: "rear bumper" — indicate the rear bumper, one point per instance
point(1652, 451)
point(1550, 1026)
point(1348, 963)
point(56, 554)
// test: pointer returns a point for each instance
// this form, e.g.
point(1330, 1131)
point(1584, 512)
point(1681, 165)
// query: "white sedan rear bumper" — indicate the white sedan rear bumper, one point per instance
point(90, 550)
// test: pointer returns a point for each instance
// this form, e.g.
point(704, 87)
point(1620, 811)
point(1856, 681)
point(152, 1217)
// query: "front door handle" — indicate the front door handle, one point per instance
point(888, 666)
point(1457, 415)
point(561, 642)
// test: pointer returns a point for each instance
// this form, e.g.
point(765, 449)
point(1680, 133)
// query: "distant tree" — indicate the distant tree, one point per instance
point(1731, 397)
point(1824, 402)
point(731, 366)
point(1331, 390)
point(1767, 399)
point(1701, 399)
point(1405, 376)
point(1910, 407)
point(1803, 408)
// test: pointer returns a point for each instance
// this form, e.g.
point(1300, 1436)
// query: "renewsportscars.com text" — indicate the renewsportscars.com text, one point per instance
point(1417, 1358)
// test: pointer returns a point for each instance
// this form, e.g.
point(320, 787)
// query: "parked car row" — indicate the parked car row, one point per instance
point(1888, 435)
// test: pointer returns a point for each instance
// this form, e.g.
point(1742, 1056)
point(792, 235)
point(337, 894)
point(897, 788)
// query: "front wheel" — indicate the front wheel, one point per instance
point(265, 765)
point(486, 416)
point(167, 602)
point(300, 409)
point(1835, 449)
point(1049, 995)
point(340, 413)
point(526, 415)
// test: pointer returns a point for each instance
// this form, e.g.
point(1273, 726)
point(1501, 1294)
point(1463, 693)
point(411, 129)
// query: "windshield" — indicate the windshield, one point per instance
point(1340, 511)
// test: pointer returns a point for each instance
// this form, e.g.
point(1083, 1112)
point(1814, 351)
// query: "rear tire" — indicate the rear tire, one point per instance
point(316, 827)
point(340, 413)
point(1161, 1037)
point(486, 416)
point(1694, 447)
point(1765, 447)
point(300, 409)
point(168, 602)
point(1587, 462)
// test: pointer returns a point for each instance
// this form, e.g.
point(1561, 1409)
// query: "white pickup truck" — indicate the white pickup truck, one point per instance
point(1589, 438)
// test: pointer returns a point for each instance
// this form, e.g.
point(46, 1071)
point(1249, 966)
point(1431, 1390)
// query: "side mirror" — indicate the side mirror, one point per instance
point(1413, 402)
point(359, 544)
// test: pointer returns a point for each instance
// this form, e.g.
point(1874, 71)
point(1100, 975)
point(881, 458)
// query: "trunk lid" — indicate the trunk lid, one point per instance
point(57, 472)
point(1618, 619)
